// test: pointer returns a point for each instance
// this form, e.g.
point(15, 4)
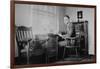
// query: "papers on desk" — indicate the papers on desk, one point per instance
point(63, 43)
point(64, 36)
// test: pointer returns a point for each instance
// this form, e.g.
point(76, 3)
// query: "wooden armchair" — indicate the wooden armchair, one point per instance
point(72, 43)
point(23, 38)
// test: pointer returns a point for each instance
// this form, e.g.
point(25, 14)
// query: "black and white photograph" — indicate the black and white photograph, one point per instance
point(49, 34)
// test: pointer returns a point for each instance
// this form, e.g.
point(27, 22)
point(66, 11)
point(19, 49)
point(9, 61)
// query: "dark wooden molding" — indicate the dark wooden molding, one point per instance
point(54, 4)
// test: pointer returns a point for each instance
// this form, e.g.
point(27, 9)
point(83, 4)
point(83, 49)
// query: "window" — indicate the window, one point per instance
point(44, 19)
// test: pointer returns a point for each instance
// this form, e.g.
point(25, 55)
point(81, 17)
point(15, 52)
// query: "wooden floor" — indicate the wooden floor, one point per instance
point(42, 60)
point(76, 61)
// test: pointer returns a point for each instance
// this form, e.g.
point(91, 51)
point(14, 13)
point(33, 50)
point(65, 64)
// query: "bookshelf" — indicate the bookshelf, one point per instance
point(81, 30)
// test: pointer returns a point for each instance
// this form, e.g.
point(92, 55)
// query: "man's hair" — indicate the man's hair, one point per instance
point(67, 16)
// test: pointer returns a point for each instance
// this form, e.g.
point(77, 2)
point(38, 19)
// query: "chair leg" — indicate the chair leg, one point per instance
point(76, 52)
point(46, 59)
point(56, 57)
point(27, 59)
point(27, 53)
point(64, 53)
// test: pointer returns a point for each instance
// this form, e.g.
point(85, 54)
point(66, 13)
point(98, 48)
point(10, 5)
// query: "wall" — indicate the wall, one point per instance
point(44, 19)
point(88, 14)
point(36, 16)
point(62, 26)
point(23, 15)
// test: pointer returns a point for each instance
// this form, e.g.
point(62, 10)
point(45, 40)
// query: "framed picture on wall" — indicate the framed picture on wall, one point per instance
point(79, 14)
point(48, 34)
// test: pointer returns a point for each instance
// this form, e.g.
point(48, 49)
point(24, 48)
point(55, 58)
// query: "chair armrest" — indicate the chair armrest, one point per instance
point(71, 38)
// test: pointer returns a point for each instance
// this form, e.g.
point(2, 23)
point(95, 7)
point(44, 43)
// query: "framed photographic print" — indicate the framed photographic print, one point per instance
point(48, 34)
point(79, 14)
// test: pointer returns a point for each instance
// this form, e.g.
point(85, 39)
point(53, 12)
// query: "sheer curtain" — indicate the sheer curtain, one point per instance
point(44, 19)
